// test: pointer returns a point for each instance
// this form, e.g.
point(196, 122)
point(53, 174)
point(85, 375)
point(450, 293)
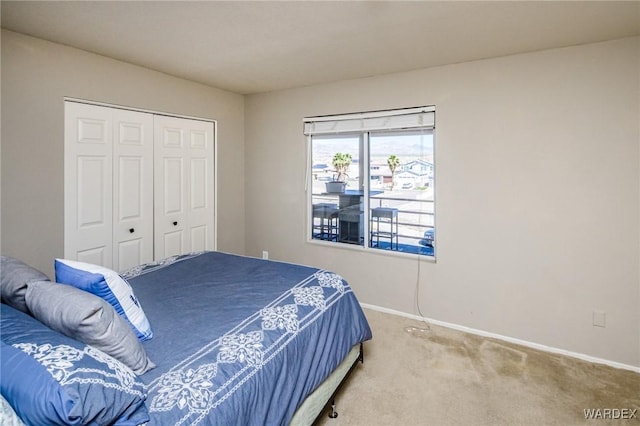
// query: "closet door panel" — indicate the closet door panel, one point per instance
point(172, 136)
point(133, 191)
point(199, 238)
point(130, 253)
point(93, 176)
point(88, 184)
point(183, 186)
point(96, 255)
point(198, 196)
point(169, 187)
point(170, 224)
point(199, 211)
point(172, 244)
point(201, 185)
point(173, 185)
point(130, 188)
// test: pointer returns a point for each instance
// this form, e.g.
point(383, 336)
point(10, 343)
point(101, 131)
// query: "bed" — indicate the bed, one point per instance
point(232, 339)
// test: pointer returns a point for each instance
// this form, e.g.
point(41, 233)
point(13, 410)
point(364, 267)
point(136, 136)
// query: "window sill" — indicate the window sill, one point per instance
point(370, 250)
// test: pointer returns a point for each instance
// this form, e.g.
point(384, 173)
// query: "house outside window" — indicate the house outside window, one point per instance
point(371, 180)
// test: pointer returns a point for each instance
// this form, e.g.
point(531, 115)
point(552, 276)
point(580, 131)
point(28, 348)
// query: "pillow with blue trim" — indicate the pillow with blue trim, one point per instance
point(110, 286)
point(50, 379)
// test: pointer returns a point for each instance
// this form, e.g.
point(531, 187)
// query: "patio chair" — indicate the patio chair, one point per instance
point(388, 218)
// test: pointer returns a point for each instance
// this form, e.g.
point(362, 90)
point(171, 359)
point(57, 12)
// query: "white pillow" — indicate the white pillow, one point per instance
point(110, 286)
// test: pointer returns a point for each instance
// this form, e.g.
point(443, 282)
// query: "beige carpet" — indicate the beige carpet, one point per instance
point(446, 377)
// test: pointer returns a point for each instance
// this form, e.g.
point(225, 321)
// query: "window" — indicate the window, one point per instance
point(371, 180)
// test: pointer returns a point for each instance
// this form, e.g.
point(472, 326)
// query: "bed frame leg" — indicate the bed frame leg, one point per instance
point(333, 413)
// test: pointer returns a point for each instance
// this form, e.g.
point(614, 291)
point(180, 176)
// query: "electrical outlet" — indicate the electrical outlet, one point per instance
point(265, 254)
point(599, 319)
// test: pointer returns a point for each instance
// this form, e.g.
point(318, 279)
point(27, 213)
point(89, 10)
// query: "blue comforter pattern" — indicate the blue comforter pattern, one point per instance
point(288, 319)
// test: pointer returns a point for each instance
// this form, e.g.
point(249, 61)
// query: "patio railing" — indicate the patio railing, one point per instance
point(415, 212)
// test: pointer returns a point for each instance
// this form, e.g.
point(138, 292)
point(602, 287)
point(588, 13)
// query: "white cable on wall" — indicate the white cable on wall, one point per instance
point(415, 330)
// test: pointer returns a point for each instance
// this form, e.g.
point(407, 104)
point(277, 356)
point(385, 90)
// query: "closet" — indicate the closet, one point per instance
point(138, 186)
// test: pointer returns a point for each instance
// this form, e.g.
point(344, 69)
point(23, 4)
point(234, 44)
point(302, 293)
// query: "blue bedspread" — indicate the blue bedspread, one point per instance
point(239, 340)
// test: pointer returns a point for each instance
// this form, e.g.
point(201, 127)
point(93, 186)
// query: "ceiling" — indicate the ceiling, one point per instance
point(258, 46)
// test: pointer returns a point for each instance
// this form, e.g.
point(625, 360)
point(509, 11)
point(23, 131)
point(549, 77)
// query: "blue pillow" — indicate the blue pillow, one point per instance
point(107, 284)
point(50, 379)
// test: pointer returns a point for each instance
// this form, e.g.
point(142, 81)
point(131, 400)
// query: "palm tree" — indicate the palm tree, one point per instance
point(341, 162)
point(393, 162)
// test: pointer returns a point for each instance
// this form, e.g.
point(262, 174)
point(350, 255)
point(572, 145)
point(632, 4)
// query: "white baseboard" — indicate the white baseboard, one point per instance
point(483, 333)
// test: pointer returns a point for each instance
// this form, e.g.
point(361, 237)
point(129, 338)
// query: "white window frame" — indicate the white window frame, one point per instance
point(362, 124)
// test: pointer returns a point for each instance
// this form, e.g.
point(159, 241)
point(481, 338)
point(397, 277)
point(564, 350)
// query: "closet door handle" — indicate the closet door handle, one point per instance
point(175, 223)
point(132, 230)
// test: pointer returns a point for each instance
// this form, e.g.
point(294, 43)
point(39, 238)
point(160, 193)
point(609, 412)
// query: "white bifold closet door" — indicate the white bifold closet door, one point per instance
point(138, 186)
point(108, 185)
point(183, 170)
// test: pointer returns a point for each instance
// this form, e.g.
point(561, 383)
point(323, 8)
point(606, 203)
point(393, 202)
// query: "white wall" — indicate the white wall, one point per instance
point(36, 76)
point(537, 193)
